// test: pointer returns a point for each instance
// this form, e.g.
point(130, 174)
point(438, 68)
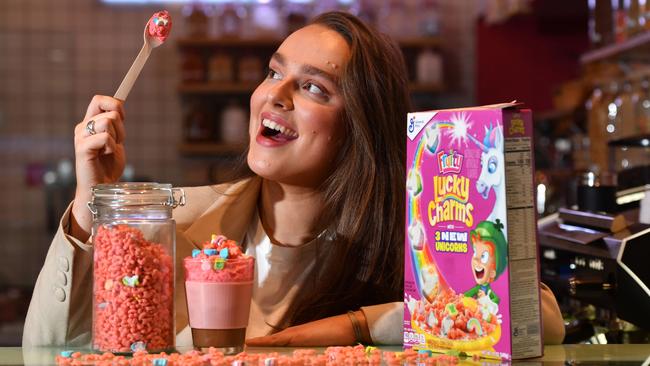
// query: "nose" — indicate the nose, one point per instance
point(280, 95)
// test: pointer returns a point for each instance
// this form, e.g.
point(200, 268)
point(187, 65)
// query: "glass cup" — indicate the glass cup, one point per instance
point(218, 294)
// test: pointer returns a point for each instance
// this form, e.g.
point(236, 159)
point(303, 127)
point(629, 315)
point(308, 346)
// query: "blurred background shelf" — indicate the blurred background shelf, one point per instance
point(216, 87)
point(636, 48)
point(198, 149)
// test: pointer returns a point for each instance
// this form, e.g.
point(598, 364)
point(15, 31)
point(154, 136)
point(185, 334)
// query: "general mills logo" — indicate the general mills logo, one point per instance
point(412, 125)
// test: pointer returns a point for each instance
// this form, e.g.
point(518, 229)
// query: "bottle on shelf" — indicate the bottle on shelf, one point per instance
point(642, 105)
point(296, 15)
point(250, 69)
point(192, 67)
point(632, 26)
point(597, 122)
point(429, 20)
point(197, 124)
point(619, 13)
point(266, 20)
point(230, 19)
point(603, 22)
point(196, 20)
point(394, 20)
point(233, 124)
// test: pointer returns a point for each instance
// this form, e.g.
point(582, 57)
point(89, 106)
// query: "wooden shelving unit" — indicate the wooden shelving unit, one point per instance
point(217, 88)
point(635, 48)
point(214, 95)
point(227, 42)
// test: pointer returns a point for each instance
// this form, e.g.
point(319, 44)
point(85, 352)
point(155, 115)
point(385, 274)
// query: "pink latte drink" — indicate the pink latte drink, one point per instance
point(218, 287)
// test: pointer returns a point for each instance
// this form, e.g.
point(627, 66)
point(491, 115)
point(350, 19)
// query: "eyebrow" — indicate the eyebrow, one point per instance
point(308, 69)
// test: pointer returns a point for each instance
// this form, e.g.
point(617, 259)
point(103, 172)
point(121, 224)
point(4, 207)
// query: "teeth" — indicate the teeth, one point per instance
point(274, 126)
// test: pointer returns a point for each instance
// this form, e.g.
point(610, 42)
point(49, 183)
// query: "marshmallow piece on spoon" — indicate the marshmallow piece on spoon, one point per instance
point(160, 25)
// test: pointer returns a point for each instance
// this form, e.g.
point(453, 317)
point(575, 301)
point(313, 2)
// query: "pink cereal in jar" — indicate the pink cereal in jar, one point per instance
point(133, 292)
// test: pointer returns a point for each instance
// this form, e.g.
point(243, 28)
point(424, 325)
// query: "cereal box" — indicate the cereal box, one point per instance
point(472, 274)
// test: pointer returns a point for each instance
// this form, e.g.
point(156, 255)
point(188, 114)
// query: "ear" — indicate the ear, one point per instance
point(498, 138)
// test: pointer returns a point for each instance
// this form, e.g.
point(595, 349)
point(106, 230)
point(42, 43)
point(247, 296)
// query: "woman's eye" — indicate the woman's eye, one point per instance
point(485, 257)
point(313, 88)
point(272, 74)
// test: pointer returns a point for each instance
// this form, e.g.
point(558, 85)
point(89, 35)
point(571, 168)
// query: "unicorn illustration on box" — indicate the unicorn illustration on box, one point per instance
point(492, 172)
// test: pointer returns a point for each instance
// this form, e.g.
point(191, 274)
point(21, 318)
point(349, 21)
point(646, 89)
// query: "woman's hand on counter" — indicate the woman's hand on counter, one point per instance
point(332, 331)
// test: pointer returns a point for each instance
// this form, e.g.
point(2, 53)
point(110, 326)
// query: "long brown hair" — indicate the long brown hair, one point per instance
point(364, 196)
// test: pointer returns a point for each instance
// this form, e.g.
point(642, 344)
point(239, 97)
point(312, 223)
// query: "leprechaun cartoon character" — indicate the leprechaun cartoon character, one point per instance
point(488, 261)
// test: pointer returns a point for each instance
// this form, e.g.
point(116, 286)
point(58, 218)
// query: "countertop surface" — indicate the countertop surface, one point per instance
point(575, 354)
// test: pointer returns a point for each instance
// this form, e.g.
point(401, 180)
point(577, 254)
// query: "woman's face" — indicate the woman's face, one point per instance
point(296, 126)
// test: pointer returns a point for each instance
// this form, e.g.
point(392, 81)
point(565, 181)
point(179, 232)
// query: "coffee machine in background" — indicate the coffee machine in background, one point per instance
point(596, 256)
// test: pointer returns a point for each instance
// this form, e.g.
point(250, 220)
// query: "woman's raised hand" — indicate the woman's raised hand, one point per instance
point(99, 156)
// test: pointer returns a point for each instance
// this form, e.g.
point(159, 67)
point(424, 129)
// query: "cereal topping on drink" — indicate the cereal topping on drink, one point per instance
point(219, 259)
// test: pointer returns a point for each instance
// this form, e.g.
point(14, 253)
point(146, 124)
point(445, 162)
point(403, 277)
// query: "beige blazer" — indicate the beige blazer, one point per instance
point(60, 312)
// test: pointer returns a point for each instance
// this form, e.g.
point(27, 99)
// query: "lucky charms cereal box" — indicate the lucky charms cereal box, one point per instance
point(471, 275)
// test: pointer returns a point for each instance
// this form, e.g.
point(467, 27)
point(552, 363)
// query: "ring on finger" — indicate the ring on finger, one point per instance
point(90, 127)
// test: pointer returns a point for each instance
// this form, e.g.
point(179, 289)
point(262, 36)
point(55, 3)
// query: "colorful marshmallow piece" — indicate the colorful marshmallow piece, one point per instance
point(159, 362)
point(196, 252)
point(432, 134)
point(414, 182)
point(66, 354)
point(138, 346)
point(210, 252)
point(473, 325)
point(205, 265)
point(425, 352)
point(451, 309)
point(370, 349)
point(213, 239)
point(102, 305)
point(223, 253)
point(271, 361)
point(219, 264)
point(238, 363)
point(130, 281)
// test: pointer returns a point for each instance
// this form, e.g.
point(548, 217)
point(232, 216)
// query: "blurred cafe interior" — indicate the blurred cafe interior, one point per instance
point(581, 66)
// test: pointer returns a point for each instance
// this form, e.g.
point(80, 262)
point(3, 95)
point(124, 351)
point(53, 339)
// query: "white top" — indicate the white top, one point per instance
point(280, 272)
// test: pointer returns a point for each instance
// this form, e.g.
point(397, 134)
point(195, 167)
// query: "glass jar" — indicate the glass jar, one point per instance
point(133, 236)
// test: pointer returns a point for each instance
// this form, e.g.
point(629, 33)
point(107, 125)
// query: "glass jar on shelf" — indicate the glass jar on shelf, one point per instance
point(429, 67)
point(220, 68)
point(196, 20)
point(133, 236)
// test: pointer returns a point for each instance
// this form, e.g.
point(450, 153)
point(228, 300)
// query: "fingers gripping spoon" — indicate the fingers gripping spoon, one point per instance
point(155, 33)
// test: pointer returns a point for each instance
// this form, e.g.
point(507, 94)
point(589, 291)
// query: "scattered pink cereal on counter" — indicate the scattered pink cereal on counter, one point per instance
point(333, 356)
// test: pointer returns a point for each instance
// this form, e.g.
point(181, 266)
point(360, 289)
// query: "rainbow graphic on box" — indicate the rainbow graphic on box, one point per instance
point(459, 279)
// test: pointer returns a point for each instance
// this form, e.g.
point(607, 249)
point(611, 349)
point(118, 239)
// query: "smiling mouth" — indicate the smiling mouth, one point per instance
point(277, 132)
point(479, 273)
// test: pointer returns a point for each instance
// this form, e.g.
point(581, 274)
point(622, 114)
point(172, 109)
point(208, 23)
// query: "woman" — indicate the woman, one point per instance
point(322, 211)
